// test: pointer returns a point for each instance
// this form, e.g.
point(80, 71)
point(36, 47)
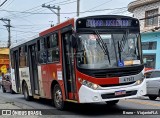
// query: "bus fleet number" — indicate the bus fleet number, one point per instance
point(129, 79)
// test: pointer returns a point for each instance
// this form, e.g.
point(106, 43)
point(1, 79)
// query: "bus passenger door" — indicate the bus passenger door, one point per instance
point(33, 69)
point(68, 66)
point(16, 69)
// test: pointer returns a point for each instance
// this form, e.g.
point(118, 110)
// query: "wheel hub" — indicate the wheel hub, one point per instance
point(58, 97)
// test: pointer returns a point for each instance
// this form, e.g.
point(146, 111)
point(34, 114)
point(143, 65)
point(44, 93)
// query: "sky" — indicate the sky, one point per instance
point(28, 17)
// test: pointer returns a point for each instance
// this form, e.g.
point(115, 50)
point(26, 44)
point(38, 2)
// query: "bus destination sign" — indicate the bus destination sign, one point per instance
point(108, 23)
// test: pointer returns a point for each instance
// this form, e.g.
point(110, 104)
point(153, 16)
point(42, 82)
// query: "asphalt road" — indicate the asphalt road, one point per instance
point(89, 110)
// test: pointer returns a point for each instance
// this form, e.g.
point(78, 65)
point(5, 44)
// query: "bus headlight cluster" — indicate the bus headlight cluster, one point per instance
point(88, 84)
point(138, 82)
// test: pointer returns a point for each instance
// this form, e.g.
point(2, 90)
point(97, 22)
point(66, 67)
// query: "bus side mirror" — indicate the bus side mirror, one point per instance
point(73, 41)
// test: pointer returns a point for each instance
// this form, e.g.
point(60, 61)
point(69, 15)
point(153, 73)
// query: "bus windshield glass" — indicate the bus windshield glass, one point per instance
point(108, 50)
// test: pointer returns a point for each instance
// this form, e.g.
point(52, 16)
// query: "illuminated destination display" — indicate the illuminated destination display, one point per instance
point(107, 23)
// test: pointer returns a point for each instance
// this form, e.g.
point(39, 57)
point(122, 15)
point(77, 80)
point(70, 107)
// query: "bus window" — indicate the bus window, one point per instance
point(38, 45)
point(48, 42)
point(23, 57)
point(53, 52)
point(42, 44)
point(54, 40)
point(42, 57)
point(53, 55)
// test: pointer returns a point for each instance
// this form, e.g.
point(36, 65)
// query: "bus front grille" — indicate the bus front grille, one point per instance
point(116, 74)
point(120, 84)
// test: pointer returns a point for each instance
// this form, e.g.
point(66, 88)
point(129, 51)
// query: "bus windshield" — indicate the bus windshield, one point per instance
point(108, 50)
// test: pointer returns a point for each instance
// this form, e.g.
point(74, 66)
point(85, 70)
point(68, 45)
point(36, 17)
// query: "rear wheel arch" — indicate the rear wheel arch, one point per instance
point(54, 82)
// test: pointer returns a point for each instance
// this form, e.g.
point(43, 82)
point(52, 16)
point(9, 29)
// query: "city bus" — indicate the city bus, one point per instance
point(82, 60)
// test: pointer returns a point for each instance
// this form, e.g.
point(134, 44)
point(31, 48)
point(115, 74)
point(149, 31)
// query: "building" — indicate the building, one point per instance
point(4, 60)
point(148, 12)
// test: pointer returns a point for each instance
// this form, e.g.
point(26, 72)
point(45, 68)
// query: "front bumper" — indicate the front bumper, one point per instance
point(88, 95)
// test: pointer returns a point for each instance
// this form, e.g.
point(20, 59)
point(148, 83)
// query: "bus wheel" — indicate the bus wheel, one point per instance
point(152, 97)
point(26, 93)
point(112, 102)
point(3, 89)
point(58, 97)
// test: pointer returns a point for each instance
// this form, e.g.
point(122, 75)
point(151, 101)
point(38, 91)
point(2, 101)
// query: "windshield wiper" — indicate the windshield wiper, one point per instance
point(103, 45)
point(123, 41)
point(119, 51)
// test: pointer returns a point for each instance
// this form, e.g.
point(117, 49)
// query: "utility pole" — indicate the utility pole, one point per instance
point(78, 7)
point(3, 3)
point(8, 26)
point(54, 7)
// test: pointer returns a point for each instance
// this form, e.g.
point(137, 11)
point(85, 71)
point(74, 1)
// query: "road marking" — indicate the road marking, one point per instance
point(144, 103)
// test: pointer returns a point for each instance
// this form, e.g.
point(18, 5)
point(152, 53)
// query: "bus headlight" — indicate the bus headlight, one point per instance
point(138, 82)
point(88, 84)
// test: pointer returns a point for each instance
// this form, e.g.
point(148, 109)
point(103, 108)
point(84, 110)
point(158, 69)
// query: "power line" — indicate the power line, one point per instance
point(31, 25)
point(31, 9)
point(64, 12)
point(21, 31)
point(42, 13)
point(52, 9)
point(35, 8)
point(3, 3)
point(9, 4)
point(64, 2)
point(99, 5)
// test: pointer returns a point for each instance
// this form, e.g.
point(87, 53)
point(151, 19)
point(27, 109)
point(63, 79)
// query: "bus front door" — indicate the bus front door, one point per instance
point(33, 69)
point(68, 66)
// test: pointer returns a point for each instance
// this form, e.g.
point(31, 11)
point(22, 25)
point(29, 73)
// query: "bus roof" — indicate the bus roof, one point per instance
point(57, 27)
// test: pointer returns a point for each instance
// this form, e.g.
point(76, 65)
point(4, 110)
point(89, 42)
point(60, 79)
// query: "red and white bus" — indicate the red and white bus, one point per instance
point(83, 60)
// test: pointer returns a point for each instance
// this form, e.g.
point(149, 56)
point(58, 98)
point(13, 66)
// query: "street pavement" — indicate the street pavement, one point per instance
point(17, 101)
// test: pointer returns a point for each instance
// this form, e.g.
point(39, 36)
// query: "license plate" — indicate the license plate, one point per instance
point(128, 79)
point(122, 92)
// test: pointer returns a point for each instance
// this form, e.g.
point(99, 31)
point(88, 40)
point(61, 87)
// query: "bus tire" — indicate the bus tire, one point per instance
point(112, 102)
point(151, 97)
point(3, 89)
point(159, 93)
point(58, 97)
point(26, 93)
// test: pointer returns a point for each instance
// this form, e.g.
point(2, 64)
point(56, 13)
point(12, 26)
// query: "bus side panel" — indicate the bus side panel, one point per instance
point(24, 75)
point(41, 86)
point(14, 88)
point(45, 80)
point(55, 73)
point(51, 72)
point(52, 75)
